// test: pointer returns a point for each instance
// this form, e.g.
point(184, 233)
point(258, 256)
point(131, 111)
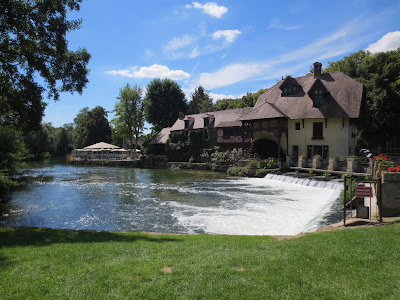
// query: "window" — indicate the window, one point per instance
point(235, 131)
point(318, 131)
point(186, 124)
point(297, 126)
point(316, 149)
point(206, 122)
point(290, 89)
point(295, 151)
point(318, 98)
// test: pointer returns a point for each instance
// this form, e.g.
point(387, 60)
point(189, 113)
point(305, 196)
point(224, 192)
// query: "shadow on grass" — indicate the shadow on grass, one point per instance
point(28, 236)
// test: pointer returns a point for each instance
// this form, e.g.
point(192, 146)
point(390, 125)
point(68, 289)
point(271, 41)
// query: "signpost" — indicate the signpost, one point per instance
point(364, 191)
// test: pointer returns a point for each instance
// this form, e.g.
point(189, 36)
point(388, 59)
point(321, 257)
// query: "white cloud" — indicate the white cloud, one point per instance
point(275, 24)
point(390, 41)
point(217, 97)
point(194, 53)
point(123, 73)
point(232, 74)
point(229, 35)
point(153, 71)
point(210, 8)
point(179, 43)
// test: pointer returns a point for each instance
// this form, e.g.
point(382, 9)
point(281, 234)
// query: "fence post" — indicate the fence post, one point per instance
point(344, 201)
point(379, 196)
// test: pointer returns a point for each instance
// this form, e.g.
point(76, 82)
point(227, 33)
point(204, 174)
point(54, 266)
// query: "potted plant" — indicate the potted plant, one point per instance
point(317, 161)
point(302, 161)
point(333, 163)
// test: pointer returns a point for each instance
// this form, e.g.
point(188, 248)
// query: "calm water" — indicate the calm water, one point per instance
point(175, 201)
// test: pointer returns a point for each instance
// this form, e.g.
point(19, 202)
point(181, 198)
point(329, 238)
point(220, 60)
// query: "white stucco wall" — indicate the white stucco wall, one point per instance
point(339, 138)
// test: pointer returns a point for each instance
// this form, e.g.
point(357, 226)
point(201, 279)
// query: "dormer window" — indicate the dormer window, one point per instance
point(208, 120)
point(289, 86)
point(289, 89)
point(318, 93)
point(189, 123)
point(318, 98)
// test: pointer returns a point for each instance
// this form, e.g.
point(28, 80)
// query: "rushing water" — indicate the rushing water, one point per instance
point(174, 201)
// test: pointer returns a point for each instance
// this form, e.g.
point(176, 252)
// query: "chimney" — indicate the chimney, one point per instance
point(181, 115)
point(317, 69)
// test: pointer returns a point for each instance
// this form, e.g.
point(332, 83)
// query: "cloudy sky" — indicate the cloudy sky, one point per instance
point(230, 47)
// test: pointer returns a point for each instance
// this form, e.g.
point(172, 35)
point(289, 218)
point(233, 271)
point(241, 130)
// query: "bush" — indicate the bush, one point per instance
point(269, 163)
point(252, 164)
point(220, 158)
point(6, 184)
point(262, 173)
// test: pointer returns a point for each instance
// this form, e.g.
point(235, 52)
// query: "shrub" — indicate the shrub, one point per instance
point(270, 163)
point(220, 158)
point(6, 184)
point(262, 173)
point(252, 164)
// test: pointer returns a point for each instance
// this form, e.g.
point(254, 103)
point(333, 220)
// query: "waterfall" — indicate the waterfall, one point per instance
point(328, 184)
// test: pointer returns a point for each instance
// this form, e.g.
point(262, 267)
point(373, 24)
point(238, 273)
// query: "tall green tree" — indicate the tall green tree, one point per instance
point(33, 45)
point(34, 58)
point(42, 141)
point(164, 100)
point(201, 101)
point(91, 126)
point(129, 111)
point(380, 74)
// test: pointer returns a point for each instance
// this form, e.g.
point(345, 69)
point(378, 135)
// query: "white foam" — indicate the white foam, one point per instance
point(293, 206)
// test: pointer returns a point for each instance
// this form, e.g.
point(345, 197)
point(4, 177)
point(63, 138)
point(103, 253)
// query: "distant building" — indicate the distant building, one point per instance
point(314, 114)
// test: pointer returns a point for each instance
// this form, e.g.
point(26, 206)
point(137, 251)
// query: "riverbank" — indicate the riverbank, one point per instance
point(69, 264)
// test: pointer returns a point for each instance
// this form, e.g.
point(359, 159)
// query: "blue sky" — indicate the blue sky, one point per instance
point(231, 47)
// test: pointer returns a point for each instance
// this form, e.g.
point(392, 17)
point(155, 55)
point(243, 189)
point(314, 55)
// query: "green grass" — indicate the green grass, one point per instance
point(58, 264)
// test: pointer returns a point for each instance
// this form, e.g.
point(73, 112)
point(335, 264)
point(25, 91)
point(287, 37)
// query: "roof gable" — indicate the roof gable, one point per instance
point(343, 101)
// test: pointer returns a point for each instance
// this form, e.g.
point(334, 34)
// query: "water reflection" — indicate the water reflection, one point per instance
point(181, 201)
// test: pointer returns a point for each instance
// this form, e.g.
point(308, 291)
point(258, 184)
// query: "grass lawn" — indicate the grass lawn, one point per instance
point(59, 264)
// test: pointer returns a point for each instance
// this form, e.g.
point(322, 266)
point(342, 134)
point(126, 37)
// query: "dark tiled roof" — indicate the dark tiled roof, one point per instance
point(223, 118)
point(343, 101)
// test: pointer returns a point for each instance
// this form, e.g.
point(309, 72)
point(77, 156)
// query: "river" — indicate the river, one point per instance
point(169, 201)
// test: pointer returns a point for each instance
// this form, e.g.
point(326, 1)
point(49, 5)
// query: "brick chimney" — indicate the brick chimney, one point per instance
point(317, 69)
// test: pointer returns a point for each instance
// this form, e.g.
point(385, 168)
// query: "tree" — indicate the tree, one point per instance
point(34, 57)
point(380, 74)
point(129, 113)
point(91, 126)
point(42, 142)
point(32, 45)
point(164, 100)
point(201, 101)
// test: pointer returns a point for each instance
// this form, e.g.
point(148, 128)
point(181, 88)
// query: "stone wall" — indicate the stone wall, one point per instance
point(390, 194)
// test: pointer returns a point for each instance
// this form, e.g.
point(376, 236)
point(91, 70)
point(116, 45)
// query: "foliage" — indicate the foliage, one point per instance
point(91, 126)
point(327, 175)
point(6, 184)
point(270, 163)
point(129, 112)
point(220, 158)
point(147, 147)
point(34, 57)
point(236, 155)
point(201, 101)
point(33, 51)
point(381, 157)
point(380, 74)
point(163, 102)
point(12, 150)
point(246, 101)
point(41, 141)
